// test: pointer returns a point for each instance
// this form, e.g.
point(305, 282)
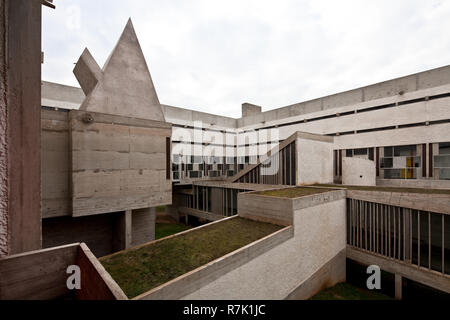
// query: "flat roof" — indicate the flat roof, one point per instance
point(143, 268)
point(388, 189)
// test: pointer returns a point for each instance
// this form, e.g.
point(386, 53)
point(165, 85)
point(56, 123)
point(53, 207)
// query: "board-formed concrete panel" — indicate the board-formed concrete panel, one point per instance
point(117, 163)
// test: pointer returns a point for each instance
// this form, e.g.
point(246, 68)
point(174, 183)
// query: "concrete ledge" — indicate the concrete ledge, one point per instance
point(279, 210)
point(414, 183)
point(439, 203)
point(200, 214)
point(327, 276)
point(196, 279)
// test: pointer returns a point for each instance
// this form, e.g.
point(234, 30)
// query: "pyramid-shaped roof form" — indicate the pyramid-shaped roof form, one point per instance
point(124, 86)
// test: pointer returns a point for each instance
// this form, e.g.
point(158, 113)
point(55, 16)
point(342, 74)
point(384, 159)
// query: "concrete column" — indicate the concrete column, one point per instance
point(122, 238)
point(20, 126)
point(398, 287)
point(143, 226)
point(407, 213)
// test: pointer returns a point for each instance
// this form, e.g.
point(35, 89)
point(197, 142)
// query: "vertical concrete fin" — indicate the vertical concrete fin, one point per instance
point(126, 87)
point(87, 72)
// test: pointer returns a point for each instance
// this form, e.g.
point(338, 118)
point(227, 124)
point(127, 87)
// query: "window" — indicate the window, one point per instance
point(360, 152)
point(442, 161)
point(402, 151)
point(349, 153)
point(168, 154)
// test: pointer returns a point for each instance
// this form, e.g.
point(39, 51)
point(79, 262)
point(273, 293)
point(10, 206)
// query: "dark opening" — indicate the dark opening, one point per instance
point(168, 158)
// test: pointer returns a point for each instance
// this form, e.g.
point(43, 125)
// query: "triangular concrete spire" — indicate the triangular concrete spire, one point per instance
point(124, 86)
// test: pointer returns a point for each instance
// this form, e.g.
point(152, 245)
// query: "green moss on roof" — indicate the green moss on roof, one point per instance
point(143, 268)
point(296, 192)
point(389, 189)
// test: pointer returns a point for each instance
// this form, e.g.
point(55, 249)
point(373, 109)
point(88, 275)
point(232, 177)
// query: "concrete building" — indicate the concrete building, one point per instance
point(110, 153)
point(391, 134)
point(106, 166)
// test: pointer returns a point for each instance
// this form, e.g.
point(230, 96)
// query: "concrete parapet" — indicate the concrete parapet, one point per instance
point(42, 275)
point(433, 202)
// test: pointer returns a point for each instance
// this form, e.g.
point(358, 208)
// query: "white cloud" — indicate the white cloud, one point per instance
point(214, 55)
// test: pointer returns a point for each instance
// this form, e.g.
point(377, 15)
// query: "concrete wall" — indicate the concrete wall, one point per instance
point(104, 233)
point(314, 159)
point(423, 80)
point(319, 237)
point(20, 70)
point(198, 278)
point(98, 232)
point(143, 226)
point(406, 183)
point(358, 172)
point(61, 96)
point(55, 164)
point(433, 202)
point(118, 163)
point(41, 275)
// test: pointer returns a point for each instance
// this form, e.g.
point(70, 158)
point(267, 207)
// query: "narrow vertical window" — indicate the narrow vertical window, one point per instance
point(377, 160)
point(168, 162)
point(430, 160)
point(424, 160)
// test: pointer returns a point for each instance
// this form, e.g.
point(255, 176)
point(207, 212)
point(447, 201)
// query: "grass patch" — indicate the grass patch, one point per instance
point(293, 192)
point(345, 291)
point(163, 230)
point(141, 269)
point(389, 189)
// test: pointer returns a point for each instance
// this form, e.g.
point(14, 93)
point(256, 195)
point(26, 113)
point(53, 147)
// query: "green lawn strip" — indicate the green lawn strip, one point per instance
point(163, 230)
point(293, 192)
point(139, 270)
point(345, 291)
point(388, 189)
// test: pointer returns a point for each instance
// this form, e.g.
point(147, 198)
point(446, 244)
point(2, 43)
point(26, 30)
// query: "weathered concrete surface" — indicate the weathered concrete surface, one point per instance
point(192, 281)
point(55, 164)
point(249, 109)
point(20, 108)
point(332, 273)
point(265, 208)
point(124, 87)
point(358, 172)
point(319, 235)
point(3, 132)
point(419, 183)
point(314, 159)
point(118, 163)
point(439, 203)
point(96, 282)
point(87, 72)
point(143, 226)
point(42, 275)
point(61, 96)
point(391, 88)
point(37, 275)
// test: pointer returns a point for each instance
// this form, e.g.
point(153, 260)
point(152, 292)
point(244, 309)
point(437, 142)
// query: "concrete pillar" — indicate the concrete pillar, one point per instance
point(20, 126)
point(407, 217)
point(398, 287)
point(143, 226)
point(122, 238)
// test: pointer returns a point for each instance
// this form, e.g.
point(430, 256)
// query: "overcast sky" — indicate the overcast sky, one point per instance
point(214, 55)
